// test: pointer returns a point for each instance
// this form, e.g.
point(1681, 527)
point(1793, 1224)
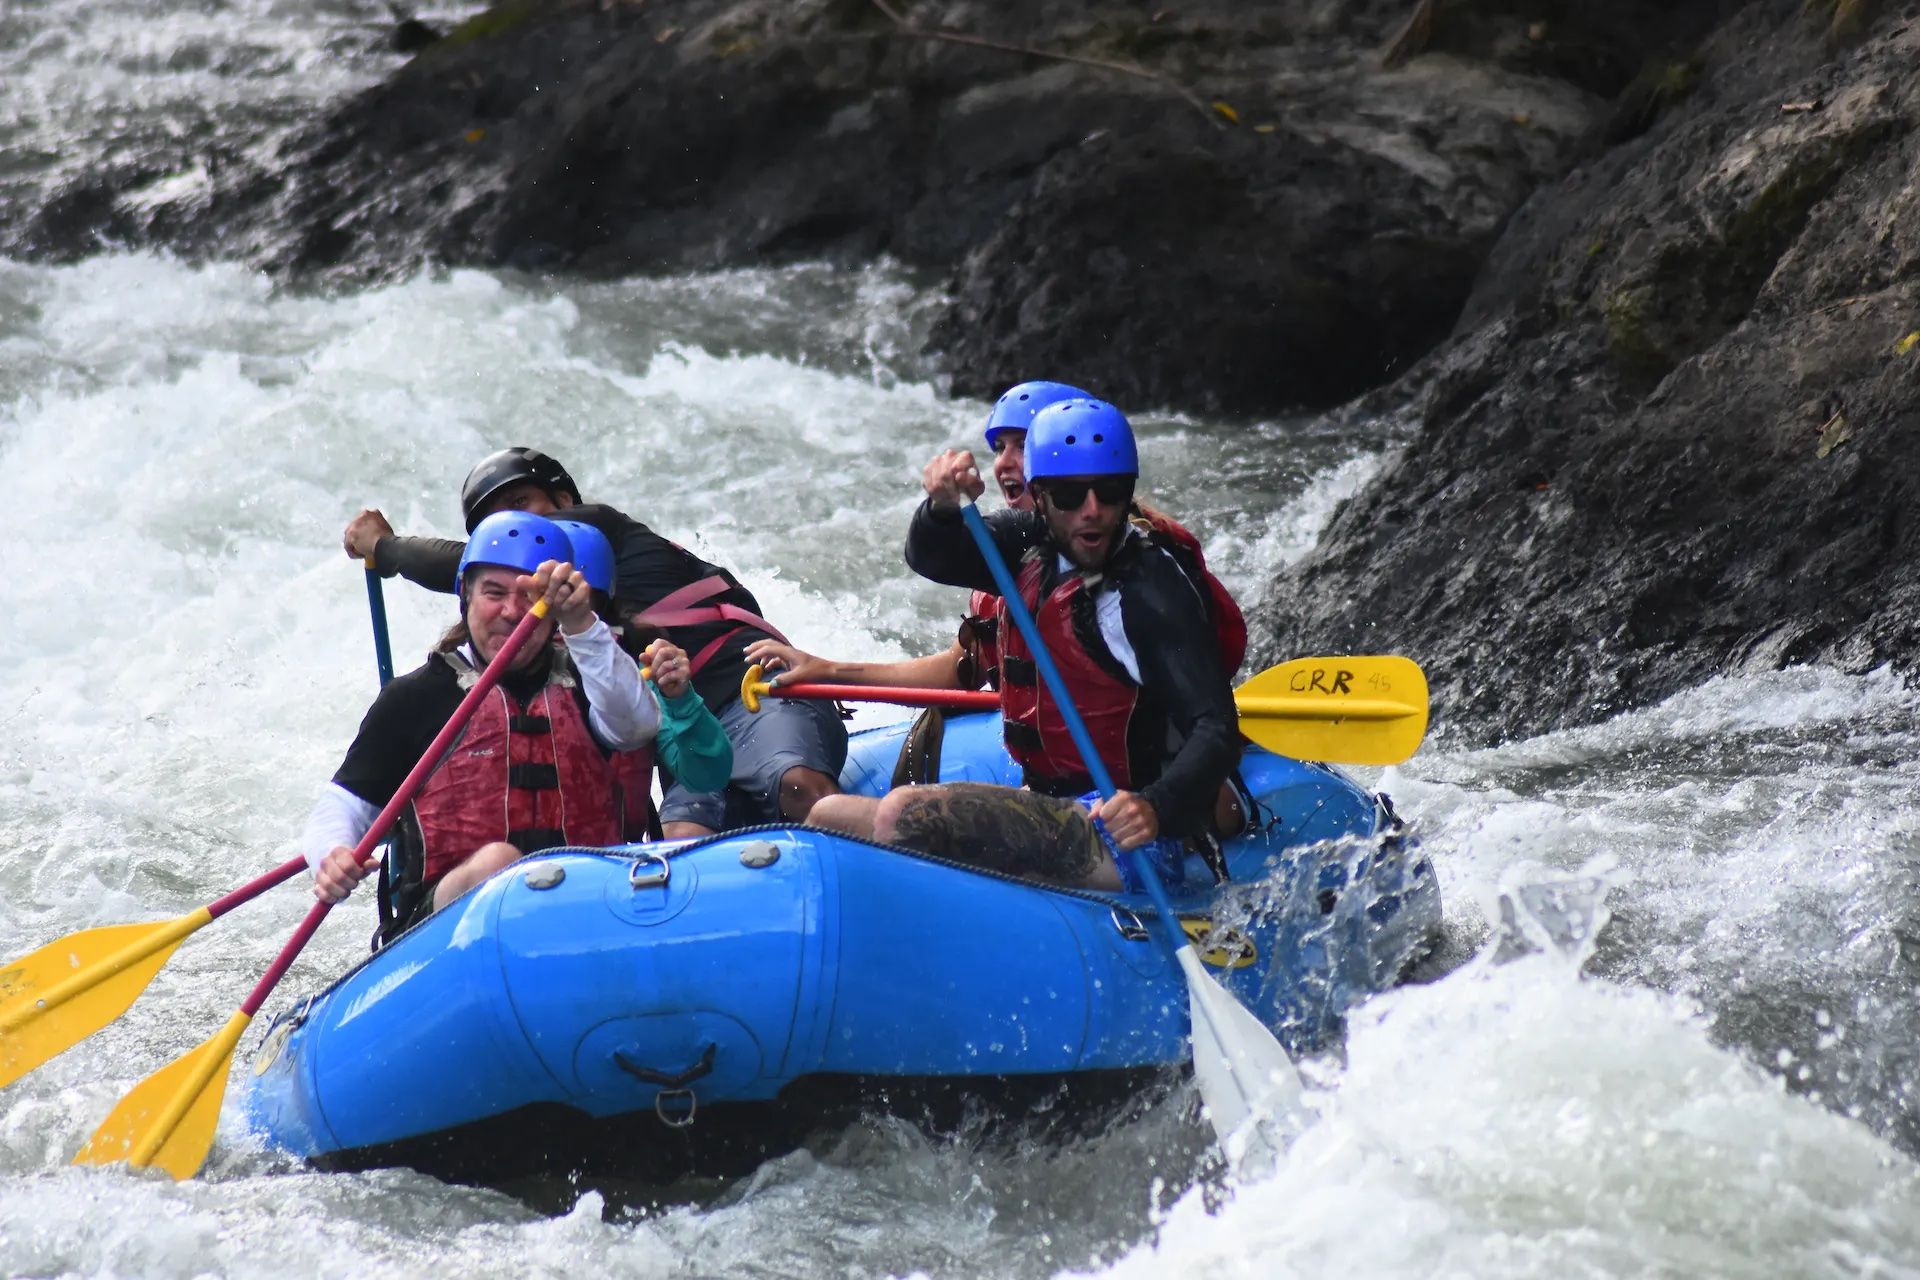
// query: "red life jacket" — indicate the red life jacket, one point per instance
point(691, 605)
point(633, 772)
point(1229, 624)
point(1103, 692)
point(529, 774)
point(980, 639)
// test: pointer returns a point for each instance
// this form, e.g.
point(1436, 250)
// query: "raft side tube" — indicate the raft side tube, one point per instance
point(432, 1014)
point(685, 979)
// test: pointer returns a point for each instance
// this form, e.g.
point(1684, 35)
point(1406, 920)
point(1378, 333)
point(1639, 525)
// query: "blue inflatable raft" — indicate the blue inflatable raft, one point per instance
point(657, 1010)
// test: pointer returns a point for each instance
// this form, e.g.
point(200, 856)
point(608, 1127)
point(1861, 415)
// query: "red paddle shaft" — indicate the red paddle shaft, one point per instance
point(401, 798)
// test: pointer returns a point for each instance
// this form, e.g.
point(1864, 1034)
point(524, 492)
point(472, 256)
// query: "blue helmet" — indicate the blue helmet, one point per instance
point(1014, 411)
point(1083, 437)
point(593, 554)
point(513, 540)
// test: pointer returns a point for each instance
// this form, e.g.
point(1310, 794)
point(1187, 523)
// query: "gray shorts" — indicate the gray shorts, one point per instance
point(783, 734)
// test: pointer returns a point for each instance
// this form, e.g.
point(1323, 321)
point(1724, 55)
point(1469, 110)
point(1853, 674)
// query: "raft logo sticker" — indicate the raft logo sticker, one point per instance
point(1222, 948)
point(269, 1051)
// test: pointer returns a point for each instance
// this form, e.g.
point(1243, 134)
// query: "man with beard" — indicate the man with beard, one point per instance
point(1130, 629)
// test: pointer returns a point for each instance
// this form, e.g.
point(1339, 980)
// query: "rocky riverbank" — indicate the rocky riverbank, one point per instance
point(1216, 204)
point(1673, 431)
point(1642, 277)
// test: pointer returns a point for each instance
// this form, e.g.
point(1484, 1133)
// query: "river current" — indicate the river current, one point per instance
point(1671, 1031)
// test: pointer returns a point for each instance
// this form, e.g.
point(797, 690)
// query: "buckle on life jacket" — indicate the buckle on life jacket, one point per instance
point(529, 724)
point(534, 839)
point(1017, 670)
point(532, 776)
point(1021, 737)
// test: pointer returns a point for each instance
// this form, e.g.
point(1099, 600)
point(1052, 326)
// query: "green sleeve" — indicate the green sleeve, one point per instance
point(691, 742)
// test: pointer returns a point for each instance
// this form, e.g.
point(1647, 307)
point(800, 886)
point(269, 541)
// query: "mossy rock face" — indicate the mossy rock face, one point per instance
point(1627, 314)
point(1701, 337)
point(495, 21)
point(1660, 86)
point(1846, 20)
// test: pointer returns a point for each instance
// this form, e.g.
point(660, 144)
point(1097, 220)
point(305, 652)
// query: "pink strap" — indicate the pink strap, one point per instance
point(683, 608)
point(691, 594)
point(705, 655)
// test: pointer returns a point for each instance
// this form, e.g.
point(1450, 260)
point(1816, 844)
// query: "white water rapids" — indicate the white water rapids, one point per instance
point(1675, 1034)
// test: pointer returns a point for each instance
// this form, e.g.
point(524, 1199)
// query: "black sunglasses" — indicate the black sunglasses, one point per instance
point(1068, 495)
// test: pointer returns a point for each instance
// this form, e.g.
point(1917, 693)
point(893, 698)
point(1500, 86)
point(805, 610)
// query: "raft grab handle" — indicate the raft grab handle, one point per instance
point(672, 1085)
point(649, 879)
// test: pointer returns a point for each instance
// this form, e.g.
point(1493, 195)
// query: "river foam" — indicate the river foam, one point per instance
point(1682, 1043)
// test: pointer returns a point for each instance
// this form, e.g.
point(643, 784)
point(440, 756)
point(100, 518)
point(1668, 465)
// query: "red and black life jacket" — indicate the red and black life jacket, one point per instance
point(980, 629)
point(528, 773)
point(1104, 694)
point(1229, 624)
point(633, 772)
point(980, 642)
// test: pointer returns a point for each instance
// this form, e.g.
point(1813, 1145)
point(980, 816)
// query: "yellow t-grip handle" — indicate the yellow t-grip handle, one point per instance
point(753, 688)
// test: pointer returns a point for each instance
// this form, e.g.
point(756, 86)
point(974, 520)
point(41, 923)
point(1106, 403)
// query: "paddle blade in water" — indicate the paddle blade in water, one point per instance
point(1248, 1082)
point(1353, 710)
point(55, 997)
point(167, 1121)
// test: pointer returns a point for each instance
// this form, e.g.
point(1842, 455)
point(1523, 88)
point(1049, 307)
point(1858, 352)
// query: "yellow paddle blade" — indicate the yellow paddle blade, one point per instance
point(168, 1119)
point(53, 998)
point(1357, 710)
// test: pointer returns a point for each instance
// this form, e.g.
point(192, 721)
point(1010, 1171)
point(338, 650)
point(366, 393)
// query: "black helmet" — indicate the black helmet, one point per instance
point(512, 466)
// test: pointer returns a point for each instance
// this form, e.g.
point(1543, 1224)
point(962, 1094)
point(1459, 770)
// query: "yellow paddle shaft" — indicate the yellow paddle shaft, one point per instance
point(1323, 708)
point(91, 975)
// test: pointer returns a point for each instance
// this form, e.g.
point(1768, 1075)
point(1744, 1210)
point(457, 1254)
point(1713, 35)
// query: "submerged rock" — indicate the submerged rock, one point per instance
point(1672, 434)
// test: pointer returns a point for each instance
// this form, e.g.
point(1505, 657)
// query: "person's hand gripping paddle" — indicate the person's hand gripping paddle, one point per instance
point(1243, 1072)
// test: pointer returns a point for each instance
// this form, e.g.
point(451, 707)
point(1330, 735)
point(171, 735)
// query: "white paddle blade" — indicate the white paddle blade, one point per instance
point(1248, 1083)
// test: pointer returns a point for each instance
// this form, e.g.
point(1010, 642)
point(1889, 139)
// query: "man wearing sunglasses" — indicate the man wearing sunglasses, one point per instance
point(1130, 629)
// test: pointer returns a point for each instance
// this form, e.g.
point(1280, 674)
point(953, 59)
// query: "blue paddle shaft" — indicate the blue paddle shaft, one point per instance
point(1096, 768)
point(377, 606)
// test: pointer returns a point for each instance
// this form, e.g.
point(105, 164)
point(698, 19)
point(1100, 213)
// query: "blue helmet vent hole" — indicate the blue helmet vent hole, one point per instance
point(1073, 439)
point(1098, 439)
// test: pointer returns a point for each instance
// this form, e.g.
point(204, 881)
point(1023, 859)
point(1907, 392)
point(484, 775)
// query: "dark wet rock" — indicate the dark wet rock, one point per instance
point(1300, 242)
point(1672, 434)
point(410, 35)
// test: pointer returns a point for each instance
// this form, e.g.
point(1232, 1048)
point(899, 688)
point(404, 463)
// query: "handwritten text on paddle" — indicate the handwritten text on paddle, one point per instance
point(1334, 682)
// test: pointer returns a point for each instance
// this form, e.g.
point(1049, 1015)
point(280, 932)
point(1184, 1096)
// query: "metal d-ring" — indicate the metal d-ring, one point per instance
point(676, 1120)
point(650, 879)
point(1131, 927)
